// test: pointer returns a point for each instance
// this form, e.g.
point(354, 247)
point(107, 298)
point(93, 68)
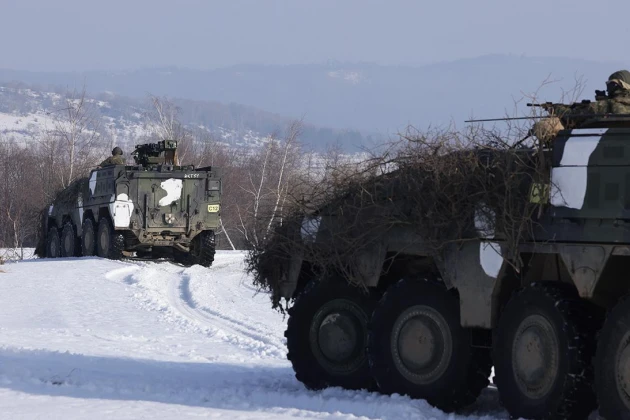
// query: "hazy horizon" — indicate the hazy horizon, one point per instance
point(64, 39)
point(73, 35)
point(616, 64)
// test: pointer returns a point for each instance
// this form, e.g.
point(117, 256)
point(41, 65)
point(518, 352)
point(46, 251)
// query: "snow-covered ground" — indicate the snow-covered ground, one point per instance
point(88, 338)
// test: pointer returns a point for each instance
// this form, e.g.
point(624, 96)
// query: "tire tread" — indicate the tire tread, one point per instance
point(580, 320)
point(466, 387)
point(299, 354)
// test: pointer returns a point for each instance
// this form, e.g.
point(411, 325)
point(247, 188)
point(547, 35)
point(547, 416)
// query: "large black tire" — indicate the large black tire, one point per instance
point(327, 336)
point(109, 244)
point(612, 363)
point(68, 241)
point(88, 238)
point(202, 251)
point(53, 244)
point(542, 352)
point(417, 347)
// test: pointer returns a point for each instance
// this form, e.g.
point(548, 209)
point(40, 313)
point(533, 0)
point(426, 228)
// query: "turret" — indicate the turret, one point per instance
point(161, 153)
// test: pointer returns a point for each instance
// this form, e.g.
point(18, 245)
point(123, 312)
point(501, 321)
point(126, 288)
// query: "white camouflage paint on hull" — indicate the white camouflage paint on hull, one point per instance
point(490, 258)
point(121, 210)
point(93, 182)
point(569, 181)
point(80, 206)
point(173, 188)
point(568, 187)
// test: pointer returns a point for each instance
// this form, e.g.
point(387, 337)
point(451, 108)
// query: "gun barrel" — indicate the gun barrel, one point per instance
point(505, 119)
point(568, 116)
point(541, 105)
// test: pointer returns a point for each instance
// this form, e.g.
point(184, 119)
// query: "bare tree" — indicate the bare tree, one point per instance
point(18, 214)
point(165, 117)
point(164, 124)
point(74, 136)
point(287, 162)
point(268, 175)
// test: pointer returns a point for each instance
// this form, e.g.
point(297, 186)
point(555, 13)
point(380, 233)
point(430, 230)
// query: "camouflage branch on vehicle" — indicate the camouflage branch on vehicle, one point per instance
point(469, 251)
point(430, 200)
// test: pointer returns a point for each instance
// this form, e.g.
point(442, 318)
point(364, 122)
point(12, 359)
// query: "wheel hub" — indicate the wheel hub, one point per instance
point(623, 369)
point(421, 344)
point(338, 336)
point(535, 356)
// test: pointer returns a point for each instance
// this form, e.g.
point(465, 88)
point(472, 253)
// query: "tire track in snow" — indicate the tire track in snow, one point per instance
point(212, 318)
point(250, 327)
point(222, 326)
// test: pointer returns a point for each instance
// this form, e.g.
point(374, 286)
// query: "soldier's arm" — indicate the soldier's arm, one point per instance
point(621, 105)
point(105, 162)
point(586, 109)
point(569, 115)
point(595, 107)
point(559, 109)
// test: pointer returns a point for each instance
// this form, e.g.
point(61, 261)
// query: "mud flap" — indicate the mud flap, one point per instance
point(585, 264)
point(475, 269)
point(369, 264)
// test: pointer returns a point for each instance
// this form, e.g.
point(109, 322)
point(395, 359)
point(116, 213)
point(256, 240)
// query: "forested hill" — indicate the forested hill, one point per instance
point(26, 110)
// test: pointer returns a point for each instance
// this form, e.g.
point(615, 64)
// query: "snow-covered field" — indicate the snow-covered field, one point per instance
point(88, 338)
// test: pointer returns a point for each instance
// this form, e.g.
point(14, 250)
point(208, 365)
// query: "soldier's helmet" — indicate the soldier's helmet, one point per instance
point(617, 82)
point(117, 151)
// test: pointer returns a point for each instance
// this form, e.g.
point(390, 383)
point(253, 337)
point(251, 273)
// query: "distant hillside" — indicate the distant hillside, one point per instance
point(382, 99)
point(26, 111)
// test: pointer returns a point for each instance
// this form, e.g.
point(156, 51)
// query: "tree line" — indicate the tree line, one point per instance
point(257, 182)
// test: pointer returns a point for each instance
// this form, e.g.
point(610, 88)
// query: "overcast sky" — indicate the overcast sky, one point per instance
point(201, 34)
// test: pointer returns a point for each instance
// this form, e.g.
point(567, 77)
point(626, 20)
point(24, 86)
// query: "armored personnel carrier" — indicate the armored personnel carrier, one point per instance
point(431, 326)
point(155, 209)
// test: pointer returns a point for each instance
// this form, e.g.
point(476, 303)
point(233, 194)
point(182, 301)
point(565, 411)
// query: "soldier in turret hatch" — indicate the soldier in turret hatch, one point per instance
point(616, 100)
point(115, 159)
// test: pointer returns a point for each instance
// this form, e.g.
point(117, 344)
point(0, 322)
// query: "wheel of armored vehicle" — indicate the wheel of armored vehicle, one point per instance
point(327, 336)
point(417, 347)
point(612, 364)
point(68, 241)
point(53, 245)
point(88, 238)
point(202, 250)
point(542, 352)
point(109, 243)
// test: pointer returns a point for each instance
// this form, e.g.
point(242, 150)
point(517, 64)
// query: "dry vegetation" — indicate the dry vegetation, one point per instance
point(442, 185)
point(32, 175)
point(445, 186)
point(434, 182)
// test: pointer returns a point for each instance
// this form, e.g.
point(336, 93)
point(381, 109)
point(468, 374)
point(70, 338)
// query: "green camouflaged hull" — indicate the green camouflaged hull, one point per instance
point(148, 209)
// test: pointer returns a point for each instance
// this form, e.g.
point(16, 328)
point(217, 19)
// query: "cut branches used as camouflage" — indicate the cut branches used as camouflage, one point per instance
point(443, 186)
